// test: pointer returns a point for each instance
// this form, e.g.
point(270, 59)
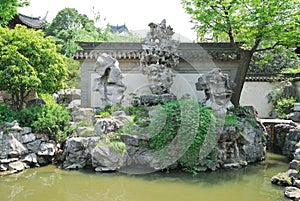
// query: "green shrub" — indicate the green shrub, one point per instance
point(112, 140)
point(52, 120)
point(176, 122)
point(118, 146)
point(231, 120)
point(28, 115)
point(170, 127)
point(282, 103)
point(284, 106)
point(190, 160)
point(103, 114)
point(6, 114)
point(48, 98)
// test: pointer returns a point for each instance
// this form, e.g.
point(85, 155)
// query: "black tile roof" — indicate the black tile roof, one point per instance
point(30, 22)
point(119, 29)
point(187, 51)
point(257, 77)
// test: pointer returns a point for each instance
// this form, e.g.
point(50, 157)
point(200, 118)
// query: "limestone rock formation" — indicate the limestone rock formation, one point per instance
point(82, 152)
point(105, 158)
point(109, 84)
point(159, 56)
point(239, 146)
point(218, 90)
point(66, 96)
point(113, 123)
point(20, 149)
point(292, 193)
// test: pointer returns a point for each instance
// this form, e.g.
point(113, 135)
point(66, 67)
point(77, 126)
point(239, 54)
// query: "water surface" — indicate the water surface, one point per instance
point(53, 184)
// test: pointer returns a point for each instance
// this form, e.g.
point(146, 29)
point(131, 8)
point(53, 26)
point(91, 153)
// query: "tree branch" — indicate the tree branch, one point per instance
point(268, 48)
point(256, 44)
point(230, 33)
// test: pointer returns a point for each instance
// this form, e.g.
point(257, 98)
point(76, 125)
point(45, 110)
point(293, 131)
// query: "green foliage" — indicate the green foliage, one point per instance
point(6, 114)
point(51, 120)
point(27, 116)
point(292, 70)
point(250, 26)
point(172, 131)
point(118, 146)
point(6, 131)
point(29, 61)
point(127, 37)
point(280, 59)
point(170, 128)
point(9, 8)
point(105, 112)
point(70, 26)
point(284, 106)
point(48, 98)
point(190, 160)
point(282, 103)
point(129, 128)
point(250, 22)
point(231, 120)
point(112, 140)
point(73, 78)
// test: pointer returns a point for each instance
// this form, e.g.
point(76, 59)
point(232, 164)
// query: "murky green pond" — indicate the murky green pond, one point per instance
point(53, 184)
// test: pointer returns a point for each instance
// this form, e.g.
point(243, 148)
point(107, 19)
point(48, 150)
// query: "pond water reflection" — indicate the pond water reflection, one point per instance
point(53, 184)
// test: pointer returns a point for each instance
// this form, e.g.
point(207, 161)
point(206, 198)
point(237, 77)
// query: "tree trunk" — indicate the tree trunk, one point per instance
point(246, 56)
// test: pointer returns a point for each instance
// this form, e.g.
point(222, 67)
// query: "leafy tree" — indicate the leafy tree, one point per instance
point(29, 61)
point(9, 8)
point(250, 25)
point(69, 26)
point(73, 78)
point(280, 59)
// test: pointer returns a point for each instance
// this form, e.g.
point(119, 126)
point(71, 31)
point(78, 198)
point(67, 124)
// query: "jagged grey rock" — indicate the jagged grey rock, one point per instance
point(217, 87)
point(105, 158)
point(47, 149)
point(159, 56)
point(109, 83)
point(77, 152)
point(11, 147)
point(292, 193)
point(28, 138)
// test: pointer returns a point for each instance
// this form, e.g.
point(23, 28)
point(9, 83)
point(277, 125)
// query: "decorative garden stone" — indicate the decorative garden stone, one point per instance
point(109, 84)
point(159, 56)
point(218, 90)
point(20, 148)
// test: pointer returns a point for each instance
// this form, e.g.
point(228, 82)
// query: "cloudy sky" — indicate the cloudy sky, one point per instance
point(136, 14)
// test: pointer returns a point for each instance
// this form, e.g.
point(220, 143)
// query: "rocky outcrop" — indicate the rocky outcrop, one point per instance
point(109, 84)
point(159, 56)
point(106, 158)
point(112, 123)
point(291, 142)
point(241, 145)
point(84, 152)
point(290, 178)
point(66, 96)
point(283, 137)
point(77, 152)
point(156, 99)
point(237, 146)
point(20, 149)
point(292, 193)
